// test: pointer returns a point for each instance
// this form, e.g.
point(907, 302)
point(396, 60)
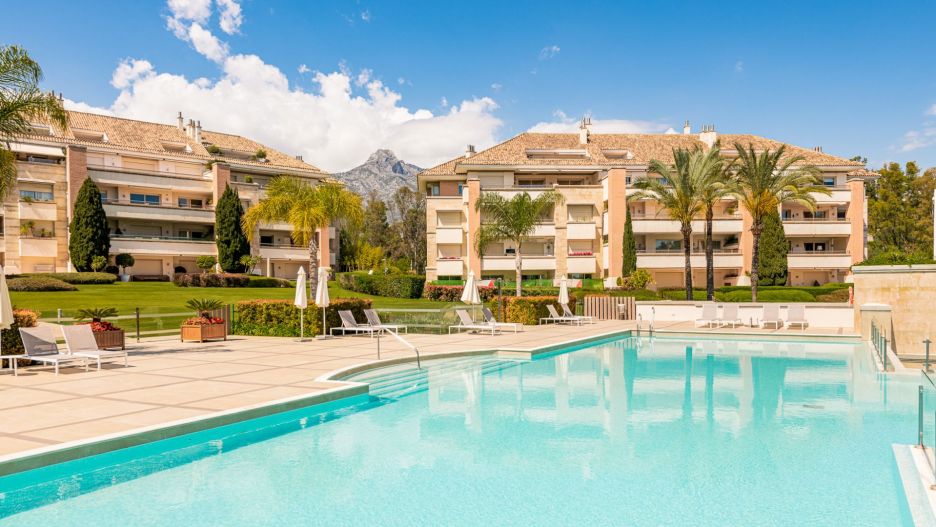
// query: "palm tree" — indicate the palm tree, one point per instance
point(763, 182)
point(21, 101)
point(512, 219)
point(714, 187)
point(678, 191)
point(308, 209)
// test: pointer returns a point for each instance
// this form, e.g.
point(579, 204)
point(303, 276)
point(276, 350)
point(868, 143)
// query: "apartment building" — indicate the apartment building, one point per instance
point(158, 184)
point(583, 236)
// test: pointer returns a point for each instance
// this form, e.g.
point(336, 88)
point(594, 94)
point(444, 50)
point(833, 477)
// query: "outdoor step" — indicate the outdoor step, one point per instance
point(401, 370)
point(420, 380)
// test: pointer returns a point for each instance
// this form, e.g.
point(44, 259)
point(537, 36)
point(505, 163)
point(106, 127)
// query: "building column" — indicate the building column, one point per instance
point(561, 240)
point(221, 176)
point(269, 267)
point(76, 172)
point(856, 217)
point(474, 224)
point(617, 217)
point(324, 249)
point(746, 245)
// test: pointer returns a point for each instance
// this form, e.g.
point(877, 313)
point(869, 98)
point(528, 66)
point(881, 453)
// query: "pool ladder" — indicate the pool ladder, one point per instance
point(640, 321)
point(405, 343)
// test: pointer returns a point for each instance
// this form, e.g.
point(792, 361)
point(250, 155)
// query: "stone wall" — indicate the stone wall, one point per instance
point(911, 293)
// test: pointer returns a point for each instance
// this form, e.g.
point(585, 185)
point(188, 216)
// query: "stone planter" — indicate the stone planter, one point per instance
point(201, 333)
point(110, 339)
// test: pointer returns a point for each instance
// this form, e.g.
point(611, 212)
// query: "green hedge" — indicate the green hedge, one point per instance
point(39, 283)
point(211, 280)
point(10, 338)
point(529, 309)
point(76, 278)
point(390, 285)
point(269, 281)
point(789, 295)
point(280, 318)
point(832, 292)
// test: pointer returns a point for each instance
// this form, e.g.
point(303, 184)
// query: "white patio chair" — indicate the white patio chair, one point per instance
point(730, 316)
point(796, 316)
point(566, 312)
point(709, 316)
point(556, 318)
point(40, 346)
point(80, 342)
point(373, 320)
point(465, 322)
point(489, 318)
point(771, 316)
point(348, 324)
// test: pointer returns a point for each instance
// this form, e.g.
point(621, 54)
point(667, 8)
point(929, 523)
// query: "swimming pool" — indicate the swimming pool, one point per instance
point(623, 432)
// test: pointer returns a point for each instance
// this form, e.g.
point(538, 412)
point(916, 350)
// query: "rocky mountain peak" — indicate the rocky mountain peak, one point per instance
point(383, 173)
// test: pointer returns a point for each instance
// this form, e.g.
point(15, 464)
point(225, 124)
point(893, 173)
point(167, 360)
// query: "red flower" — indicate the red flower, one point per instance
point(98, 327)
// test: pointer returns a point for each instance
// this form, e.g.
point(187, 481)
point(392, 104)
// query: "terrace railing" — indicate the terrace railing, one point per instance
point(879, 343)
point(926, 419)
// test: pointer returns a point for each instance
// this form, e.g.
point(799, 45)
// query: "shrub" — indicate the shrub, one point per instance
point(204, 306)
point(211, 280)
point(39, 283)
point(96, 314)
point(268, 281)
point(150, 278)
point(391, 285)
point(452, 293)
point(837, 295)
point(88, 237)
point(280, 318)
point(112, 269)
point(680, 294)
point(639, 279)
point(77, 278)
point(124, 260)
point(10, 338)
point(98, 263)
point(205, 262)
point(770, 295)
point(529, 309)
point(638, 294)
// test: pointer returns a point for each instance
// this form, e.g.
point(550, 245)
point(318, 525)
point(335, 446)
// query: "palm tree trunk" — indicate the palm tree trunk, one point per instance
point(313, 261)
point(518, 265)
point(709, 257)
point(755, 259)
point(687, 251)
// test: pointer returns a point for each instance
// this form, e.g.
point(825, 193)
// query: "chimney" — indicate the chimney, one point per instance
point(584, 130)
point(686, 129)
point(818, 149)
point(708, 135)
point(181, 122)
point(198, 132)
point(298, 158)
point(469, 151)
point(190, 128)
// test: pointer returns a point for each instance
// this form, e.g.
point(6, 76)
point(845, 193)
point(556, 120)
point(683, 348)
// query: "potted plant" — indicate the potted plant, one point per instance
point(106, 334)
point(124, 260)
point(205, 262)
point(203, 326)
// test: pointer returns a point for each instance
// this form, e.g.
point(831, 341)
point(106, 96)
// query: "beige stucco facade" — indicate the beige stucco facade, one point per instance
point(909, 291)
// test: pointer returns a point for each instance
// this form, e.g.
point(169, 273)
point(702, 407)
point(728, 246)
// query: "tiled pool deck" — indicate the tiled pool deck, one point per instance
point(168, 381)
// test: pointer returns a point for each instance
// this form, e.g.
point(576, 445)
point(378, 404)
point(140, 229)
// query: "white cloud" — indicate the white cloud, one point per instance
point(444, 102)
point(231, 17)
point(496, 86)
point(303, 69)
point(932, 110)
point(364, 76)
point(366, 15)
point(206, 43)
point(916, 139)
point(192, 10)
point(565, 124)
point(739, 66)
point(549, 52)
point(332, 126)
point(401, 81)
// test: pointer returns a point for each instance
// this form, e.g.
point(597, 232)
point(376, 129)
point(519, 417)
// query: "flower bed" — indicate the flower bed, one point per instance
point(203, 328)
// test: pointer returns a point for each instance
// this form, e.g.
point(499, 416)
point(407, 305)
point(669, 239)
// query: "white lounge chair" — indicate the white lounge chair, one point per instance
point(730, 316)
point(771, 316)
point(373, 320)
point(80, 341)
point(796, 316)
point(568, 313)
point(556, 318)
point(489, 318)
point(348, 324)
point(465, 322)
point(40, 346)
point(709, 316)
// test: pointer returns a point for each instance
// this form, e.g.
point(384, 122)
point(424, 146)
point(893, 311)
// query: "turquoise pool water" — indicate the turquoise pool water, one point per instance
point(626, 432)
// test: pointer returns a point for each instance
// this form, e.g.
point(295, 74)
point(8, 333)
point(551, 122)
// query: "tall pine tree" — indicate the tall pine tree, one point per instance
point(773, 252)
point(629, 261)
point(88, 235)
point(229, 234)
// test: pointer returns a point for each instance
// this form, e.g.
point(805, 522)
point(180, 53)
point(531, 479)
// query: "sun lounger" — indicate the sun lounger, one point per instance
point(556, 318)
point(489, 318)
point(465, 322)
point(348, 324)
point(40, 346)
point(709, 316)
point(730, 316)
point(566, 312)
point(796, 316)
point(771, 316)
point(373, 320)
point(80, 342)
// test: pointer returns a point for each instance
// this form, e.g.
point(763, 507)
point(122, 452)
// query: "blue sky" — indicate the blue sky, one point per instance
point(425, 78)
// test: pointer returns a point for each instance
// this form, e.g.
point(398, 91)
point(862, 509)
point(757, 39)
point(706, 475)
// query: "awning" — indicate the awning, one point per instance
point(39, 150)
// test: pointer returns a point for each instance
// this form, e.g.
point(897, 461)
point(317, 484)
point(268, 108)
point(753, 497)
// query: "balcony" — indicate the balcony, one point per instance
point(676, 260)
point(163, 245)
point(836, 195)
point(41, 247)
point(581, 231)
point(150, 179)
point(38, 210)
point(443, 203)
point(581, 264)
point(817, 227)
point(164, 212)
point(819, 260)
point(650, 224)
point(283, 251)
point(544, 230)
point(530, 263)
point(450, 267)
point(450, 235)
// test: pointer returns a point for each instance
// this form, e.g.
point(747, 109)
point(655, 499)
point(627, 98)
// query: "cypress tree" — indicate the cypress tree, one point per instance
point(773, 252)
point(88, 234)
point(629, 262)
point(229, 234)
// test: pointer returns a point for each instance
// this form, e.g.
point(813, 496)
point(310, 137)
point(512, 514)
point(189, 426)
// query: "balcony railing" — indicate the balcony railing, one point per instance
point(797, 252)
point(126, 236)
point(818, 220)
point(155, 205)
point(665, 216)
point(694, 252)
point(283, 246)
point(144, 172)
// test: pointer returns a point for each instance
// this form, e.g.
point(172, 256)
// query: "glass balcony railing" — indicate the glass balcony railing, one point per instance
point(161, 205)
point(131, 236)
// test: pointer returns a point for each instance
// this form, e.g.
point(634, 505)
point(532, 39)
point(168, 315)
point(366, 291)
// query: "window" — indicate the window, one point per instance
point(103, 197)
point(814, 246)
point(199, 235)
point(144, 199)
point(668, 245)
point(191, 203)
point(581, 213)
point(841, 213)
point(828, 181)
point(266, 239)
point(35, 195)
point(183, 233)
point(433, 188)
point(531, 182)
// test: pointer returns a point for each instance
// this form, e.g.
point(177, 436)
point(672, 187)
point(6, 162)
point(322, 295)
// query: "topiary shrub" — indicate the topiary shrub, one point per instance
point(771, 295)
point(112, 269)
point(529, 310)
point(280, 318)
point(39, 283)
point(10, 338)
point(452, 293)
point(268, 281)
point(837, 295)
point(391, 285)
point(211, 280)
point(77, 278)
